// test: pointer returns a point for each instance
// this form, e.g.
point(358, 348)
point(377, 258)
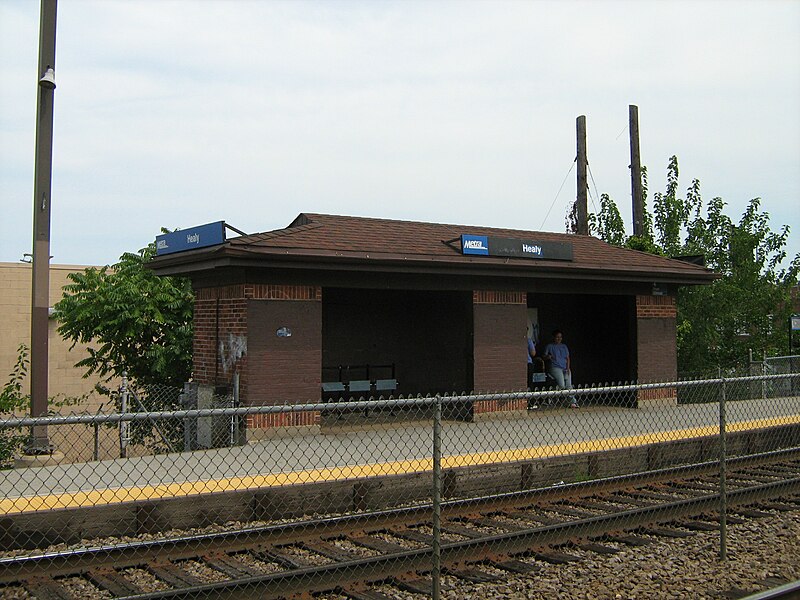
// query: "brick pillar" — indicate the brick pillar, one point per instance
point(499, 347)
point(284, 362)
point(236, 330)
point(657, 346)
point(220, 335)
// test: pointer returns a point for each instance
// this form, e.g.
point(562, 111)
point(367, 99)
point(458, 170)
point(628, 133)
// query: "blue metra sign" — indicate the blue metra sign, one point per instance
point(475, 244)
point(484, 245)
point(211, 234)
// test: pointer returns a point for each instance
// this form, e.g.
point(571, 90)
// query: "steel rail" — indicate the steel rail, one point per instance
point(188, 546)
point(329, 576)
point(787, 591)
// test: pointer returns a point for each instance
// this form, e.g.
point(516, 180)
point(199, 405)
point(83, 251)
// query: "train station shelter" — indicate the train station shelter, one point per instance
point(418, 307)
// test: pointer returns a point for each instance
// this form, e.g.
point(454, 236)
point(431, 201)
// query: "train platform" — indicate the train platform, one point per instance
point(347, 452)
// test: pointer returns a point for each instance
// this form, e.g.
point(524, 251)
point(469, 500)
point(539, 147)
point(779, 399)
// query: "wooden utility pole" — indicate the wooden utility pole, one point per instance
point(581, 201)
point(636, 171)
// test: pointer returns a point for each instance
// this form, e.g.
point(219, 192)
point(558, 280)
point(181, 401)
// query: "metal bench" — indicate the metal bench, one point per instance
point(333, 390)
point(360, 386)
point(385, 385)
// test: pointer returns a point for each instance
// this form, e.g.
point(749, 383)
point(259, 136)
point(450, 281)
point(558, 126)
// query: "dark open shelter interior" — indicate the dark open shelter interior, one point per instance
point(424, 339)
point(600, 331)
point(425, 336)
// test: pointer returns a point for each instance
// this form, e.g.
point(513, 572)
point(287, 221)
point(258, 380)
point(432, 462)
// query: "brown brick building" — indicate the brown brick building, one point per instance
point(290, 309)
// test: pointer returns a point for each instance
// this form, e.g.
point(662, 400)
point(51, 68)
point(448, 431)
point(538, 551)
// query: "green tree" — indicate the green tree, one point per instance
point(607, 224)
point(749, 306)
point(136, 322)
point(131, 319)
point(12, 401)
point(670, 212)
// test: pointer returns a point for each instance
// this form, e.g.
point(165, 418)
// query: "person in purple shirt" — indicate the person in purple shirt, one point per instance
point(560, 367)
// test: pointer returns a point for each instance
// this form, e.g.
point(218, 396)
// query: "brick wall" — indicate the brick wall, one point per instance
point(229, 323)
point(204, 352)
point(491, 406)
point(284, 369)
point(303, 418)
point(220, 336)
point(499, 326)
point(657, 351)
point(492, 297)
point(235, 330)
point(656, 307)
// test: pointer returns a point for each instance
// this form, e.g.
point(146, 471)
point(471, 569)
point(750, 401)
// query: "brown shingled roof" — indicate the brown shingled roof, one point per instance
point(383, 238)
point(370, 241)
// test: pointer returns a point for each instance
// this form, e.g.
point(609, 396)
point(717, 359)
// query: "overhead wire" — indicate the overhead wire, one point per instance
point(594, 183)
point(574, 161)
point(591, 175)
point(597, 194)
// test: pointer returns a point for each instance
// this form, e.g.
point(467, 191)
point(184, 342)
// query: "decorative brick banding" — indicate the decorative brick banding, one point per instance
point(494, 297)
point(656, 307)
point(490, 406)
point(294, 419)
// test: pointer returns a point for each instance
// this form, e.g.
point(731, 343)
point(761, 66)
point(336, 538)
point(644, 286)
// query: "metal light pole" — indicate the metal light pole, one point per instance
point(40, 443)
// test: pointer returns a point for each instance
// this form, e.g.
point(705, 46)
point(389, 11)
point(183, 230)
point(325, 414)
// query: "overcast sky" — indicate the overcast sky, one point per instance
point(176, 113)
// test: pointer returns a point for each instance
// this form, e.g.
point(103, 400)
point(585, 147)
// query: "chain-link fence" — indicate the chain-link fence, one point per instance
point(781, 365)
point(525, 463)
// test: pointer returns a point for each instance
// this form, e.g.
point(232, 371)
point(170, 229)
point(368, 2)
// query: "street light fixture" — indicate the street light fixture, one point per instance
point(48, 80)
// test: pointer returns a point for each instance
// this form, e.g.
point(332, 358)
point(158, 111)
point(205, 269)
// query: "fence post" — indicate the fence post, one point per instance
point(188, 401)
point(723, 496)
point(234, 432)
point(437, 499)
point(123, 425)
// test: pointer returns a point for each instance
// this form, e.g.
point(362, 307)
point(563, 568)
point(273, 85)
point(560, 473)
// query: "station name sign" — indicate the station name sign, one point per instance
point(487, 245)
point(202, 236)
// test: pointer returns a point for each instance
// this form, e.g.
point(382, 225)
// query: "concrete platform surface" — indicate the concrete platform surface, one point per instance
point(353, 451)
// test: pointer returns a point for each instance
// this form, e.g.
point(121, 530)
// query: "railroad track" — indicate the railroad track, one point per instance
point(480, 539)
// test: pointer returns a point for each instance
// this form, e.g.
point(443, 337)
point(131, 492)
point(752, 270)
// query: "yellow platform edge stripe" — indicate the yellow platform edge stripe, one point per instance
point(104, 497)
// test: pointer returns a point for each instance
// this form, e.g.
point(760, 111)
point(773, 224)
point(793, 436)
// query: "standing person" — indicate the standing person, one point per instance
point(560, 368)
point(531, 355)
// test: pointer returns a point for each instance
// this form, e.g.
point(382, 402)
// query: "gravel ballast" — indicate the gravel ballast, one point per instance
point(762, 553)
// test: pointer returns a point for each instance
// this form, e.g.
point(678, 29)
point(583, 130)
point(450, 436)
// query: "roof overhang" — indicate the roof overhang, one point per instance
point(217, 259)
